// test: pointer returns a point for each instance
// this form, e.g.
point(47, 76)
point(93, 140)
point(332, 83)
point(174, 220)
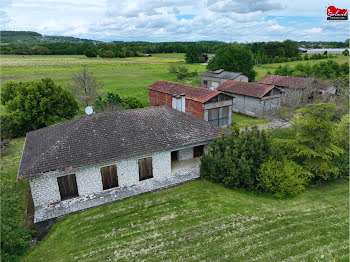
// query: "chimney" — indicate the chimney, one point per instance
point(183, 102)
point(173, 101)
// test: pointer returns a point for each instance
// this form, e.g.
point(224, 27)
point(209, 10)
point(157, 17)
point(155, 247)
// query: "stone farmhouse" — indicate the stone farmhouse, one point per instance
point(96, 159)
point(251, 98)
point(210, 105)
point(213, 79)
point(289, 82)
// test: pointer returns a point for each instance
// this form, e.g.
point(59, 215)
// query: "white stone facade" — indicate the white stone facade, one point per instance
point(45, 189)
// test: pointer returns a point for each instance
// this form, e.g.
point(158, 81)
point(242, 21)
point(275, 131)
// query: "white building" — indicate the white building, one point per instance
point(97, 159)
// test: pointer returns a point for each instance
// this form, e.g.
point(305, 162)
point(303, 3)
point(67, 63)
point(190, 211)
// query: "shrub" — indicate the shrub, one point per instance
point(36, 104)
point(282, 178)
point(90, 52)
point(108, 54)
point(172, 69)
point(345, 52)
point(131, 102)
point(234, 159)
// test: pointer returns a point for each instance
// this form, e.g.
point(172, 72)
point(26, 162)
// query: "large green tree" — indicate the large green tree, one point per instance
point(234, 58)
point(314, 145)
point(193, 54)
point(35, 104)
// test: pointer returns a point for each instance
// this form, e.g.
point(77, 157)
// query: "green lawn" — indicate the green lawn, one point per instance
point(201, 221)
point(242, 120)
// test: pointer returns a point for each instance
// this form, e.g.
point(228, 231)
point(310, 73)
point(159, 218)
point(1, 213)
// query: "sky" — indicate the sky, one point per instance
point(177, 20)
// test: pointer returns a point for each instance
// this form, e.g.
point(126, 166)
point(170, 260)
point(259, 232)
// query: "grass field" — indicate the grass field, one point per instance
point(201, 221)
point(242, 120)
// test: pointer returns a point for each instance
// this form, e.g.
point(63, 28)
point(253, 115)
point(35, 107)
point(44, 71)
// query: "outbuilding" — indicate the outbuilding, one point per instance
point(96, 159)
point(210, 105)
point(251, 98)
point(213, 79)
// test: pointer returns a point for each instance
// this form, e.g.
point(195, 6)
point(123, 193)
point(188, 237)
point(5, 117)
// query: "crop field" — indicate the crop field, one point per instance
point(201, 221)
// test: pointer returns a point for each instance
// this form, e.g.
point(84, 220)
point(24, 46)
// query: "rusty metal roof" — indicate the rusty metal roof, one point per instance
point(195, 93)
point(252, 89)
point(107, 137)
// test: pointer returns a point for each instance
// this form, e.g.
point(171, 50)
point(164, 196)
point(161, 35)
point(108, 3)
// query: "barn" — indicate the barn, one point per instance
point(210, 105)
point(251, 98)
point(96, 159)
point(213, 79)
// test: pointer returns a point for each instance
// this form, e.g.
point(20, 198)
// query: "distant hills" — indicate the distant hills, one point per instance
point(34, 38)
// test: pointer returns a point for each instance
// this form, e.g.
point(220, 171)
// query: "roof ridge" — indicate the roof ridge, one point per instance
point(65, 136)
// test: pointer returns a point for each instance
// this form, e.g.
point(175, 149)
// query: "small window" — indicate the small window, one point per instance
point(198, 151)
point(174, 156)
point(109, 177)
point(145, 168)
point(68, 186)
point(205, 82)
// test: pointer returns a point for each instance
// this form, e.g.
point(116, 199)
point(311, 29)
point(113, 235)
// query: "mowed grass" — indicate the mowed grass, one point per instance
point(240, 120)
point(201, 221)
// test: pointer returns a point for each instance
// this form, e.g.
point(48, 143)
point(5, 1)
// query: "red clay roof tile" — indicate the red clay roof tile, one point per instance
point(252, 89)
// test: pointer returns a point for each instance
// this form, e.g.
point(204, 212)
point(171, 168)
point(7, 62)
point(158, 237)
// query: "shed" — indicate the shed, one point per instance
point(210, 105)
point(212, 79)
point(252, 98)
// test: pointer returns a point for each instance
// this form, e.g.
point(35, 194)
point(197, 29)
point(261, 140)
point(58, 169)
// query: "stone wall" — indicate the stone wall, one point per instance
point(186, 153)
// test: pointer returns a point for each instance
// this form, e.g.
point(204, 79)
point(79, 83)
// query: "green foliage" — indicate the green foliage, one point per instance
point(40, 50)
point(342, 132)
point(193, 54)
point(323, 70)
point(345, 52)
point(282, 178)
point(131, 102)
point(36, 104)
point(235, 159)
point(112, 102)
point(314, 142)
point(91, 52)
point(234, 58)
point(109, 54)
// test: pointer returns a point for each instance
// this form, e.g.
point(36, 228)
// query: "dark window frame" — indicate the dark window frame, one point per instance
point(198, 151)
point(145, 168)
point(67, 186)
point(109, 177)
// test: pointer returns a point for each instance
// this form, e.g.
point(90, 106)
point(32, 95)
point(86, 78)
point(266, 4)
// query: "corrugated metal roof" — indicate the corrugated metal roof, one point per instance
point(221, 73)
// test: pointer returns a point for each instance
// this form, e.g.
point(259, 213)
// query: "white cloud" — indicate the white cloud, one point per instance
point(173, 20)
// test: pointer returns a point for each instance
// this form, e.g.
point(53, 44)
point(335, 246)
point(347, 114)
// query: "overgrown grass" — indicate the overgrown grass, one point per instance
point(263, 69)
point(201, 221)
point(244, 121)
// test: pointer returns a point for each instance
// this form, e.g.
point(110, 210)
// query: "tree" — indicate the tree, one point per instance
point(131, 102)
point(112, 102)
point(108, 54)
point(345, 52)
point(85, 87)
point(234, 58)
point(192, 54)
point(40, 50)
point(315, 136)
point(36, 104)
point(291, 48)
point(90, 52)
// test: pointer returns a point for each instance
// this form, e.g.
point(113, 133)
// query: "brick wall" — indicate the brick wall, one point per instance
point(194, 108)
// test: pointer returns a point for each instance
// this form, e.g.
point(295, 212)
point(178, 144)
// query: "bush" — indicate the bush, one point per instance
point(131, 102)
point(345, 52)
point(108, 54)
point(234, 159)
point(282, 178)
point(90, 52)
point(36, 104)
point(172, 69)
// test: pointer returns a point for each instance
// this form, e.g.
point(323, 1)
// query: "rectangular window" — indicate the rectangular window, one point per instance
point(174, 156)
point(198, 151)
point(219, 116)
point(67, 186)
point(205, 82)
point(145, 168)
point(109, 177)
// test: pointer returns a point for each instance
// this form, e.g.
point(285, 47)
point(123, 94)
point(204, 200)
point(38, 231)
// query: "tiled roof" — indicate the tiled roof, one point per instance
point(245, 88)
point(110, 136)
point(195, 93)
point(221, 73)
point(287, 81)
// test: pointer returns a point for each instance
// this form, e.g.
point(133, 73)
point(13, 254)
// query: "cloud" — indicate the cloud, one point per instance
point(247, 6)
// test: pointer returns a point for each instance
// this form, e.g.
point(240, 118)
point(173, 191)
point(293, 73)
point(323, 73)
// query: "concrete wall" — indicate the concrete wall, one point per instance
point(255, 107)
point(214, 81)
point(45, 190)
